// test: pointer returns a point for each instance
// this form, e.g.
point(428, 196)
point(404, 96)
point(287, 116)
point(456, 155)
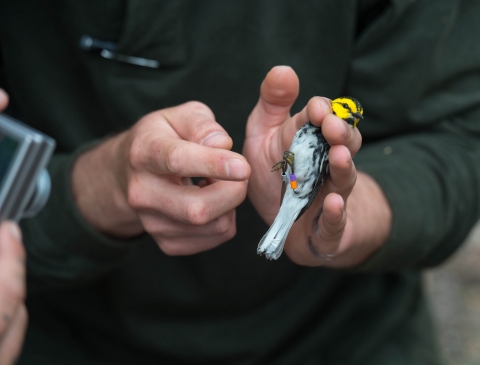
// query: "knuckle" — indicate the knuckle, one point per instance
point(199, 107)
point(197, 213)
point(201, 121)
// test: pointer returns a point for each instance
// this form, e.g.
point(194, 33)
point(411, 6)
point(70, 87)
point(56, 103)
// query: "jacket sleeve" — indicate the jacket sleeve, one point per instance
point(417, 68)
point(63, 249)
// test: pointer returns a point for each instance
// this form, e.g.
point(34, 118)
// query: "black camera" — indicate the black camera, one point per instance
point(24, 181)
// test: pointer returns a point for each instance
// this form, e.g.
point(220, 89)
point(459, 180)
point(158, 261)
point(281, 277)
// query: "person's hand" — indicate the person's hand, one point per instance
point(14, 318)
point(140, 181)
point(330, 233)
point(13, 321)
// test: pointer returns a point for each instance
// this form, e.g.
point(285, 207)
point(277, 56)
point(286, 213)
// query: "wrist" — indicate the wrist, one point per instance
point(370, 215)
point(99, 193)
point(370, 211)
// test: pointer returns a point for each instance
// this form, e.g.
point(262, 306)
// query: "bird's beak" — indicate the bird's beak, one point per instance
point(357, 115)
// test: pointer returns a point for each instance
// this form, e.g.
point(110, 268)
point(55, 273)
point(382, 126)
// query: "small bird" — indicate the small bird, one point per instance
point(306, 167)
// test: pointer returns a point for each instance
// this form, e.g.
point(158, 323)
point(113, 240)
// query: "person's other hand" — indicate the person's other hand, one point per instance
point(14, 318)
point(13, 321)
point(140, 180)
point(330, 233)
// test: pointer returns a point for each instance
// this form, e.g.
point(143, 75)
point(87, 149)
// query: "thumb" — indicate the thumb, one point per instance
point(278, 92)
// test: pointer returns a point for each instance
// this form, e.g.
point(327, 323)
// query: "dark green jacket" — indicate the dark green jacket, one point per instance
point(414, 65)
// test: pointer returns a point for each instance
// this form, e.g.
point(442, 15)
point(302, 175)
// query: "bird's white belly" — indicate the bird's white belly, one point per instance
point(303, 160)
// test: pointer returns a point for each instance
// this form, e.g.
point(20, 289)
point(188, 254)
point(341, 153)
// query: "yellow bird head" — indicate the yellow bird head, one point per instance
point(349, 109)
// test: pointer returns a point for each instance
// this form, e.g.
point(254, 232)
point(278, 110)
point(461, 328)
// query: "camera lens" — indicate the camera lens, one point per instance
point(40, 195)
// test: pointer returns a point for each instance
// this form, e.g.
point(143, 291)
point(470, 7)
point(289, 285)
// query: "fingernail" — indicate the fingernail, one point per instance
point(235, 168)
point(326, 105)
point(214, 139)
point(15, 232)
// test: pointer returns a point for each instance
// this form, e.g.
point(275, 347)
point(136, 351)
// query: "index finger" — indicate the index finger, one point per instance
point(315, 111)
point(195, 122)
point(187, 159)
point(337, 132)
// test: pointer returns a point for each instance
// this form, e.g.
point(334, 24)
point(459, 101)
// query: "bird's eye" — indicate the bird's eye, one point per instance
point(345, 105)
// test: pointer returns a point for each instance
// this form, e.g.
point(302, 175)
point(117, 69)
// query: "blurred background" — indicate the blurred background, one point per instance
point(454, 290)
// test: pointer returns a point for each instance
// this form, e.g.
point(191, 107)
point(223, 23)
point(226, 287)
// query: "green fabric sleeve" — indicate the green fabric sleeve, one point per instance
point(417, 75)
point(432, 184)
point(63, 248)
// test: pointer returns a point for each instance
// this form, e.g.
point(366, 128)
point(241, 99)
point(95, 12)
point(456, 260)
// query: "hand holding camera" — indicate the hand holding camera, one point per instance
point(13, 321)
point(13, 314)
point(24, 190)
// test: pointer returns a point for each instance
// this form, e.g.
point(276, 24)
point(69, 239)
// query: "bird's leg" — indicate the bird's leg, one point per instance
point(282, 165)
point(287, 161)
point(288, 157)
point(284, 183)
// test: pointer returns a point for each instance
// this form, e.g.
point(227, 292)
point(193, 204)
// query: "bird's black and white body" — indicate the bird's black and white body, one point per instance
point(311, 169)
point(308, 156)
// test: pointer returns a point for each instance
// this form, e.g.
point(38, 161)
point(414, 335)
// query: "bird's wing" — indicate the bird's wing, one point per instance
point(323, 173)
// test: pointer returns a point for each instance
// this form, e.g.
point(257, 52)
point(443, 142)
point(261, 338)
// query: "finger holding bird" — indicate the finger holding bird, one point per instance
point(344, 140)
point(343, 174)
point(335, 130)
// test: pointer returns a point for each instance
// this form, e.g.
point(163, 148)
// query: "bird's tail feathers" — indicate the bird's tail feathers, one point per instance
point(272, 243)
